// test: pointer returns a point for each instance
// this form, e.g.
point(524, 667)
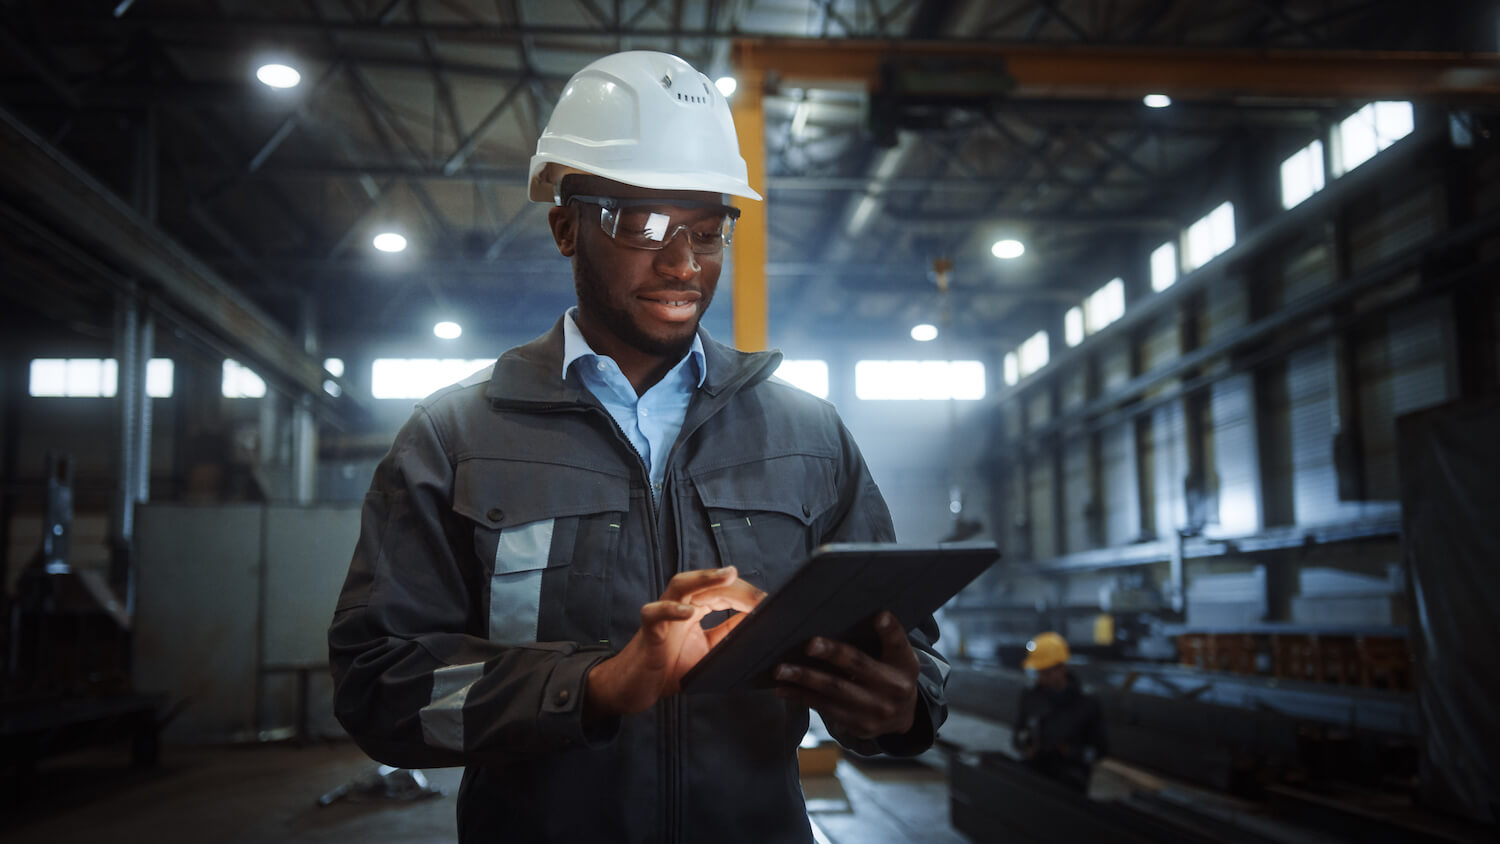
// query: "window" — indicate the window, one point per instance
point(879, 380)
point(810, 375)
point(1012, 369)
point(94, 377)
point(1104, 306)
point(1164, 266)
point(240, 382)
point(1368, 131)
point(1073, 325)
point(1302, 174)
point(1210, 236)
point(413, 378)
point(334, 367)
point(1032, 354)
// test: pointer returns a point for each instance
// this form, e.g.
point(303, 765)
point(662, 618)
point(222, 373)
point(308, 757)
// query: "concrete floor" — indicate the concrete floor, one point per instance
point(268, 793)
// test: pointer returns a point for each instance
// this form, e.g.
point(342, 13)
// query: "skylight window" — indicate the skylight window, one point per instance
point(1073, 326)
point(1302, 175)
point(1368, 131)
point(1164, 266)
point(1012, 369)
point(1104, 306)
point(414, 378)
point(1210, 236)
point(1032, 354)
point(240, 382)
point(94, 378)
point(809, 375)
point(931, 380)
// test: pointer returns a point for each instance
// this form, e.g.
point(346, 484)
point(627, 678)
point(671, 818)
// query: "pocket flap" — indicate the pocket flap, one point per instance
point(796, 485)
point(508, 493)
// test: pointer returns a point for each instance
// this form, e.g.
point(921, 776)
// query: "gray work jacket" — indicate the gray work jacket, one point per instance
point(509, 540)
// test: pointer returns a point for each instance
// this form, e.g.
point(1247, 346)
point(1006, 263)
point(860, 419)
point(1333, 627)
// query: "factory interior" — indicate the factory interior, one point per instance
point(1190, 308)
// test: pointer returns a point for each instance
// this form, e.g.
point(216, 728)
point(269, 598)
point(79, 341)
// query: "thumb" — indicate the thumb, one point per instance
point(895, 649)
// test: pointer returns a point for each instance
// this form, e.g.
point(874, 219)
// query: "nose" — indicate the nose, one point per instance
point(676, 259)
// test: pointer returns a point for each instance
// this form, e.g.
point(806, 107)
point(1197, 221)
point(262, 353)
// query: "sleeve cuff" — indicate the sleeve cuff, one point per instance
point(560, 721)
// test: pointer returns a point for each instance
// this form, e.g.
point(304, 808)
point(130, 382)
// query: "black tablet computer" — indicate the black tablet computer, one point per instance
point(837, 593)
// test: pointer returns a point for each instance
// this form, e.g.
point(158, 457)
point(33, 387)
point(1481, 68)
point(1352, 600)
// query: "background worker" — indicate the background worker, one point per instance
point(542, 546)
point(1060, 729)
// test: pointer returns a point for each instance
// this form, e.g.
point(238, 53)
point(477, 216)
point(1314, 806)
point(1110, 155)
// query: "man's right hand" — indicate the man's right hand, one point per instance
point(670, 642)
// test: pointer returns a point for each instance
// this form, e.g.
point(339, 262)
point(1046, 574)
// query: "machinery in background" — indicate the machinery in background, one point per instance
point(67, 680)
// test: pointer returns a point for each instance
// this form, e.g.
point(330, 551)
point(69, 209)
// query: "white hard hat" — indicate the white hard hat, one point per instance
point(645, 119)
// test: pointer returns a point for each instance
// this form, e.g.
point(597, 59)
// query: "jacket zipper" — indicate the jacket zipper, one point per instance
point(669, 718)
point(669, 713)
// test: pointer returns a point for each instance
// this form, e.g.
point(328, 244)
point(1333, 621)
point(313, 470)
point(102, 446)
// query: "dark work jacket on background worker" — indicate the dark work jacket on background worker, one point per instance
point(443, 657)
point(1065, 728)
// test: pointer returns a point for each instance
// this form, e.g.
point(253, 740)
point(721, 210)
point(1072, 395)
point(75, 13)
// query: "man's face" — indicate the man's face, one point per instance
point(1053, 679)
point(648, 300)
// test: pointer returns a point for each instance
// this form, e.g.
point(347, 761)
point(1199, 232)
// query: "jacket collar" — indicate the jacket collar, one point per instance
point(527, 374)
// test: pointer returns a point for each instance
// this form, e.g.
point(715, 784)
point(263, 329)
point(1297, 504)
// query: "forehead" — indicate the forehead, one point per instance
point(599, 186)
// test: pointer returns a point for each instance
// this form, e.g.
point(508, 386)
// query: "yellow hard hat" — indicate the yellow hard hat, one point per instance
point(1045, 651)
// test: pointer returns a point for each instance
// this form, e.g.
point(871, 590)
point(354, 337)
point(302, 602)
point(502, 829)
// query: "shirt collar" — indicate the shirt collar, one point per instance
point(575, 347)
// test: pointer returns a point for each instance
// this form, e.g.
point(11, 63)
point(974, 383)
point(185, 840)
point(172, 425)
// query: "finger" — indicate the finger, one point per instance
point(843, 660)
point(824, 685)
point(657, 617)
point(895, 648)
point(716, 634)
point(685, 583)
point(738, 595)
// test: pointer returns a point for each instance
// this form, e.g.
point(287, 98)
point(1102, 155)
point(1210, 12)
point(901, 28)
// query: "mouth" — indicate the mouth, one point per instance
point(672, 305)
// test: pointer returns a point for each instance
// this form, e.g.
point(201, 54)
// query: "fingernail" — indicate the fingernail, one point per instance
point(784, 672)
point(684, 608)
point(887, 621)
point(817, 647)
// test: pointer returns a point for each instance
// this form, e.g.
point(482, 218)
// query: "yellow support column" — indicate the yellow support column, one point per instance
point(749, 248)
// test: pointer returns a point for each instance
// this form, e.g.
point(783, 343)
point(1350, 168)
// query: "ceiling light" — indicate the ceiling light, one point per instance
point(726, 85)
point(924, 332)
point(1157, 100)
point(390, 242)
point(278, 75)
point(1008, 249)
point(448, 330)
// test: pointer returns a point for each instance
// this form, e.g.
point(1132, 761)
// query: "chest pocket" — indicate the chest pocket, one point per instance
point(764, 515)
point(546, 537)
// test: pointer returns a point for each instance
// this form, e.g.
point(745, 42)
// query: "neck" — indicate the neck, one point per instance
point(643, 370)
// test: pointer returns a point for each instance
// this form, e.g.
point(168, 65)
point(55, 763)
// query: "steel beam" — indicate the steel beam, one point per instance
point(57, 190)
point(750, 243)
point(1113, 72)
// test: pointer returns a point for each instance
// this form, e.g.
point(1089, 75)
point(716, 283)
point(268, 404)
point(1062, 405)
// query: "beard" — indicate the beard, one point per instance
point(594, 300)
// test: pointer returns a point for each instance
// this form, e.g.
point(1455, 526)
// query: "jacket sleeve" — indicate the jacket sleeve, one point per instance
point(417, 683)
point(862, 516)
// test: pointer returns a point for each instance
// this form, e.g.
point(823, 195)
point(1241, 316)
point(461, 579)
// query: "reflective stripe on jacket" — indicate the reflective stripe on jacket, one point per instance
point(508, 543)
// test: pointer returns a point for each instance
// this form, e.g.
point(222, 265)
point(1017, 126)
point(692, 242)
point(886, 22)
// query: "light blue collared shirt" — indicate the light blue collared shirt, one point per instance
point(651, 421)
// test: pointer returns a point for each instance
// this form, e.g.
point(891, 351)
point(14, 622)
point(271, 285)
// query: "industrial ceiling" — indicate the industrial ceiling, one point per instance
point(1013, 118)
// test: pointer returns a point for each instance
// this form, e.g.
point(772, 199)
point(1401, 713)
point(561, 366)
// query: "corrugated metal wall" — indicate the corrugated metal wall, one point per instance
point(1401, 368)
point(1078, 494)
point(1122, 515)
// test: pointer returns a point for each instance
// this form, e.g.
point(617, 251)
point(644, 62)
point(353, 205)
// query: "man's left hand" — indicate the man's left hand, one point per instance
point(857, 694)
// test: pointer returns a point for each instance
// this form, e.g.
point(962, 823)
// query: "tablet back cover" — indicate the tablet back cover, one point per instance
point(836, 594)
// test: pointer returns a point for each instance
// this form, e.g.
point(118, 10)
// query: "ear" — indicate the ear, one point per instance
point(564, 224)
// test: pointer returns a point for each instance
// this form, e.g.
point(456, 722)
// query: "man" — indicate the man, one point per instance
point(543, 546)
point(1060, 730)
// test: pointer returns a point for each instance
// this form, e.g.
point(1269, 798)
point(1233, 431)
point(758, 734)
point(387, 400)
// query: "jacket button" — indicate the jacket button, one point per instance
point(562, 696)
point(806, 511)
point(495, 514)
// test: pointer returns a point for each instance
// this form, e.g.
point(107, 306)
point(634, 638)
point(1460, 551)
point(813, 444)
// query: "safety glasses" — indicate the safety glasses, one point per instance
point(653, 223)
